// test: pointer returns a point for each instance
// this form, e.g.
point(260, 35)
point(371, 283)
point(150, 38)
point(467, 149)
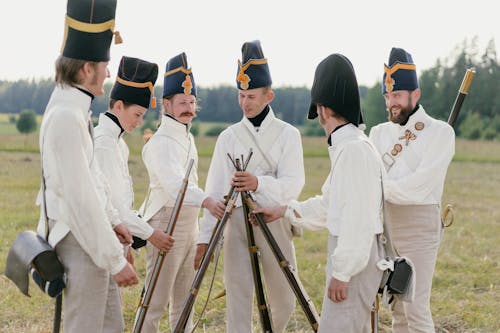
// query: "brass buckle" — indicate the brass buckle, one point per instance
point(448, 211)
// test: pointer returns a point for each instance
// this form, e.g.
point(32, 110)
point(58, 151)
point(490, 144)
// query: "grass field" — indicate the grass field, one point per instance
point(466, 291)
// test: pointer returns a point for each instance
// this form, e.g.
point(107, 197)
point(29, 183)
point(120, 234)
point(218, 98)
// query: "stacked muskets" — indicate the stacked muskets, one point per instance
point(264, 315)
point(231, 197)
point(146, 299)
point(287, 269)
point(289, 272)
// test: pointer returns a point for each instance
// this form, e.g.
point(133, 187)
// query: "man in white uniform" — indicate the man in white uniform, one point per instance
point(275, 175)
point(129, 100)
point(166, 156)
point(81, 217)
point(417, 150)
point(350, 203)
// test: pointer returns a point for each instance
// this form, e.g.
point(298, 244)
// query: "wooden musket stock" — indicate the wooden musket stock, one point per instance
point(289, 272)
point(146, 299)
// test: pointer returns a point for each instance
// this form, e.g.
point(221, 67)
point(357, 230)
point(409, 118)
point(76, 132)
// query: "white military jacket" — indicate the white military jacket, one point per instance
point(112, 153)
point(350, 204)
point(280, 173)
point(166, 156)
point(416, 156)
point(75, 193)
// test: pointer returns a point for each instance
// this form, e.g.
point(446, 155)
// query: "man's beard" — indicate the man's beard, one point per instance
point(403, 115)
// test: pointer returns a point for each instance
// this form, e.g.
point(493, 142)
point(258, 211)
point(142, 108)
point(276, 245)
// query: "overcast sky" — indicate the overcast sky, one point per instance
point(295, 35)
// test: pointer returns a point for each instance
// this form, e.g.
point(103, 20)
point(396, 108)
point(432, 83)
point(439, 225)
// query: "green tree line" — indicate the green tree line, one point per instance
point(479, 118)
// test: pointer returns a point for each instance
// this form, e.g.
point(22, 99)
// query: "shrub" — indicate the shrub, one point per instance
point(313, 128)
point(195, 128)
point(215, 130)
point(26, 123)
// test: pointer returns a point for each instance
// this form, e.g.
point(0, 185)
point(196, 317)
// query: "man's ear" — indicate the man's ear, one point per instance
point(166, 104)
point(119, 106)
point(87, 69)
point(416, 95)
point(269, 96)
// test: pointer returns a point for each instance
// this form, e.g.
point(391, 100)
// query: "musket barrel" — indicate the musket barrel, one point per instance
point(144, 305)
point(462, 93)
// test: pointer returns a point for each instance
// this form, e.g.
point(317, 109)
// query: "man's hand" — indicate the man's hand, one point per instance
point(269, 214)
point(244, 181)
point(337, 290)
point(161, 240)
point(215, 207)
point(200, 252)
point(126, 277)
point(123, 234)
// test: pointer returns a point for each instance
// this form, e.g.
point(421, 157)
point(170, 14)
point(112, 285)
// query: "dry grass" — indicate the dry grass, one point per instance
point(465, 295)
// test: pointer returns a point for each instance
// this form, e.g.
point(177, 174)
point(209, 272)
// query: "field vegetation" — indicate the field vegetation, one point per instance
point(466, 283)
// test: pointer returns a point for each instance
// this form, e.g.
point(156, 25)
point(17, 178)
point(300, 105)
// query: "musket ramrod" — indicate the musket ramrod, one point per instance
point(146, 299)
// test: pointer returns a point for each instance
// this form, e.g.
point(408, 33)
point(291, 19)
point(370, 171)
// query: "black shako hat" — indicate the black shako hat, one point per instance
point(135, 82)
point(401, 73)
point(88, 30)
point(335, 86)
point(253, 70)
point(178, 78)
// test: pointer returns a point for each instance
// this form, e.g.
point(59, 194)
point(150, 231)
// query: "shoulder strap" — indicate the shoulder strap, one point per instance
point(175, 139)
point(262, 146)
point(144, 206)
point(44, 201)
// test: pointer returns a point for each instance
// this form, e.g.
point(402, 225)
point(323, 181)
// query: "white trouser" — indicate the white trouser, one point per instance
point(353, 314)
point(177, 272)
point(92, 301)
point(238, 276)
point(416, 234)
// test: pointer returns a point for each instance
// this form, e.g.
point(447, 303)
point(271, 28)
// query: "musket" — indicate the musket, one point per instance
point(455, 110)
point(180, 325)
point(462, 93)
point(148, 292)
point(264, 315)
point(287, 269)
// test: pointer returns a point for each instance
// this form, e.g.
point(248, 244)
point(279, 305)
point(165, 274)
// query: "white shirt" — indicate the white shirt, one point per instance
point(350, 205)
point(76, 197)
point(166, 156)
point(111, 152)
point(275, 187)
point(419, 170)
